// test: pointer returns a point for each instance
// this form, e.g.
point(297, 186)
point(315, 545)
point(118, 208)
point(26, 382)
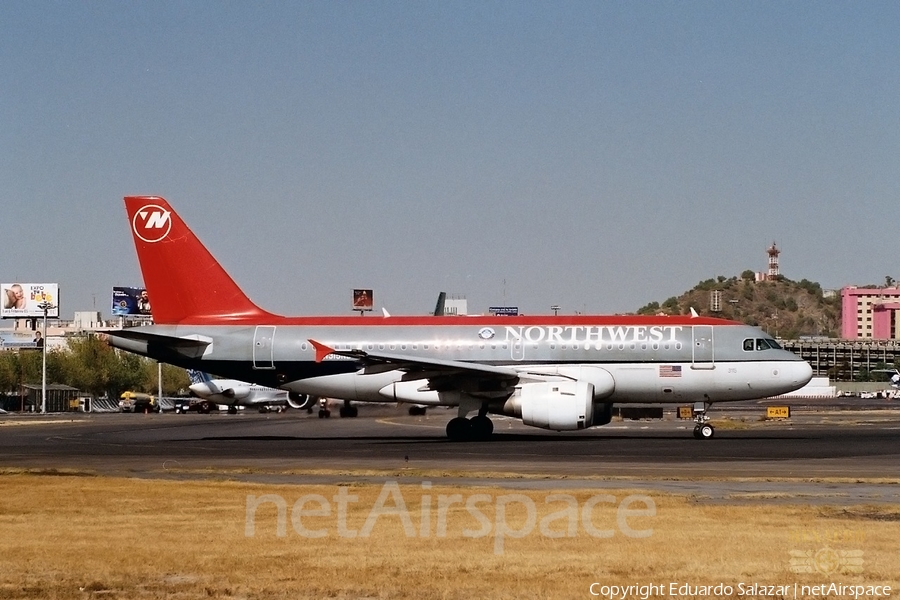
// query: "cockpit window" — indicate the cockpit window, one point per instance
point(760, 344)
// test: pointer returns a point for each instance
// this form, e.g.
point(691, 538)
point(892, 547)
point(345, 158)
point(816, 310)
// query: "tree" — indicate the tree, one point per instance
point(10, 371)
point(650, 309)
point(96, 368)
point(671, 304)
point(174, 378)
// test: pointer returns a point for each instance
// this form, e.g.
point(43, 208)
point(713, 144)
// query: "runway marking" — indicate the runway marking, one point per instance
point(24, 423)
point(389, 422)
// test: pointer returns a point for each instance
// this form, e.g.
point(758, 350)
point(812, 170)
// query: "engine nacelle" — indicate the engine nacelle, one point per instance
point(559, 405)
point(237, 392)
point(300, 401)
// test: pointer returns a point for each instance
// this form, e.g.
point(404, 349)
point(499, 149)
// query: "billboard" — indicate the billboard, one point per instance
point(363, 300)
point(23, 300)
point(504, 311)
point(130, 301)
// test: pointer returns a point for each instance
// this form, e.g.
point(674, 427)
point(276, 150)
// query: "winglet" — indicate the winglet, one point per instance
point(386, 313)
point(694, 314)
point(321, 350)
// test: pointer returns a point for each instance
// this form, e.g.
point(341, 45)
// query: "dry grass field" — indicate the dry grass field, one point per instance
point(68, 536)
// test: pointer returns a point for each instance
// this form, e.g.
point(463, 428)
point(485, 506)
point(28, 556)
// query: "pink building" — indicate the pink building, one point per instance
point(869, 313)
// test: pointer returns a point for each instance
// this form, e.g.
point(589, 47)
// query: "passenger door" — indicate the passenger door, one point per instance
point(263, 348)
point(703, 356)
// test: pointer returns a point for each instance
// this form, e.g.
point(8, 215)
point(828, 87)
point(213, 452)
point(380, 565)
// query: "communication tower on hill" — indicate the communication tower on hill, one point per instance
point(773, 252)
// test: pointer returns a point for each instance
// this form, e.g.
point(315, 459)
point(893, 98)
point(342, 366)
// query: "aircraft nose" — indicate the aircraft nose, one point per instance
point(801, 373)
point(200, 388)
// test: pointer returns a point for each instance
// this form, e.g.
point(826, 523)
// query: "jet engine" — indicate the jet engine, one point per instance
point(237, 392)
point(300, 401)
point(559, 405)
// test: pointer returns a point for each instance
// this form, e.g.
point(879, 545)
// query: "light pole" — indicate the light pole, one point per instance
point(555, 308)
point(44, 306)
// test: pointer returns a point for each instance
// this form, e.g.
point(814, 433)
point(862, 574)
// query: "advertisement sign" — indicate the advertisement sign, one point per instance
point(504, 311)
point(130, 301)
point(15, 339)
point(363, 300)
point(24, 300)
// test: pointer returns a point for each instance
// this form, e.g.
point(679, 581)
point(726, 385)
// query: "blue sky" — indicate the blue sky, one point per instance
point(594, 155)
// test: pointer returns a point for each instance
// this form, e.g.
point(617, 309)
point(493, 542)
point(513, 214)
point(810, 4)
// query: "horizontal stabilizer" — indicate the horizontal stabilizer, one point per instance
point(135, 340)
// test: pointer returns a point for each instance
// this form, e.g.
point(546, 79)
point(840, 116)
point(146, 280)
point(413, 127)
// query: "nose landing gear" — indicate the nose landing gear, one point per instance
point(702, 430)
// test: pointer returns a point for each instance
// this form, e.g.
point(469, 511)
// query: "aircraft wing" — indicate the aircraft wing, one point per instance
point(418, 368)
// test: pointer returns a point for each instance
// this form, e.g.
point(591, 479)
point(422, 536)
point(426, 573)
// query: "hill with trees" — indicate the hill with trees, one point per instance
point(784, 308)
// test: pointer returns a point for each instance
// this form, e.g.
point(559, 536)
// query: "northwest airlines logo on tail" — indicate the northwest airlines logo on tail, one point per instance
point(151, 223)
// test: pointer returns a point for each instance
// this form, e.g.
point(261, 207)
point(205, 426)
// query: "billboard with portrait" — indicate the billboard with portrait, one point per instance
point(130, 301)
point(25, 300)
point(362, 300)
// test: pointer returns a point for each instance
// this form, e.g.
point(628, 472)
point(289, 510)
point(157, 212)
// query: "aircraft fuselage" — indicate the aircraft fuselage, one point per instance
point(650, 359)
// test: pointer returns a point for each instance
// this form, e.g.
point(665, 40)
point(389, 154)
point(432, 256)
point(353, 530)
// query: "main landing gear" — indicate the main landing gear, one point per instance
point(702, 430)
point(348, 410)
point(478, 428)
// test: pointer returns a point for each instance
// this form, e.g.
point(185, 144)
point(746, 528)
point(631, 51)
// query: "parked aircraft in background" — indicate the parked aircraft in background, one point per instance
point(553, 372)
point(233, 393)
point(892, 374)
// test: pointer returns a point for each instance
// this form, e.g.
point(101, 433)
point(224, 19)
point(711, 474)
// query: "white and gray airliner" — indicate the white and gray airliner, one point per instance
point(552, 372)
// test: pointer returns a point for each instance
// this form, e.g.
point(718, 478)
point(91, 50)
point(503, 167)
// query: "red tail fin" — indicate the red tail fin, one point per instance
point(185, 283)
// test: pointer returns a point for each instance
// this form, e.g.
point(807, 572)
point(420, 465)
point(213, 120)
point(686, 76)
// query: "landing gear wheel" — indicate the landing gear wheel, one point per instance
point(348, 412)
point(416, 410)
point(481, 428)
point(459, 429)
point(232, 410)
point(704, 432)
point(696, 432)
point(324, 413)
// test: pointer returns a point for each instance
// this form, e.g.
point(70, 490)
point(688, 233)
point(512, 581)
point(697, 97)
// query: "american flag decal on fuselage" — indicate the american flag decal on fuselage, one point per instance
point(670, 370)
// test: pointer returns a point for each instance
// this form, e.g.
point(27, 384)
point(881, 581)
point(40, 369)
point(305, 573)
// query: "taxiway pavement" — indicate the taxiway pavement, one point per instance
point(845, 445)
